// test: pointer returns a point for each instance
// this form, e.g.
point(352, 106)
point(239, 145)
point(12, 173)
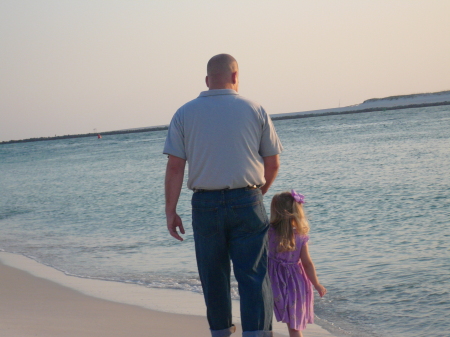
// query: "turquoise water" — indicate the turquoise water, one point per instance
point(378, 197)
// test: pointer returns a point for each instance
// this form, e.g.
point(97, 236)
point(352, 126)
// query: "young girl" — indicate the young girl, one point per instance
point(291, 269)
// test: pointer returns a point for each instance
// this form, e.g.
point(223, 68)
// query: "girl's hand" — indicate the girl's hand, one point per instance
point(321, 289)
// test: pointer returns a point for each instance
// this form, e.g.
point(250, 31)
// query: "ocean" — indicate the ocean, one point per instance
point(377, 189)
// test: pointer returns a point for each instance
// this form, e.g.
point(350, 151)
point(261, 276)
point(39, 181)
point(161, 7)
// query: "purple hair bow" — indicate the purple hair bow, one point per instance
point(300, 198)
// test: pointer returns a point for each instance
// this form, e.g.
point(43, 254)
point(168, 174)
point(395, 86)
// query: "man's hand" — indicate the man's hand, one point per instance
point(174, 221)
point(173, 183)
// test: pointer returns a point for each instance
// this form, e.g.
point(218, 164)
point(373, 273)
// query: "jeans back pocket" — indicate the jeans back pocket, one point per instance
point(250, 217)
point(205, 221)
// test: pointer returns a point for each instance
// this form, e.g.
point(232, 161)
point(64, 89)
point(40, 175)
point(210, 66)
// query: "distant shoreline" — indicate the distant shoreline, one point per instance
point(347, 112)
point(274, 118)
point(92, 134)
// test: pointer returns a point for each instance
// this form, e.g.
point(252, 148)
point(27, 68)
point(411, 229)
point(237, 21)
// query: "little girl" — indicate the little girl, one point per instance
point(291, 269)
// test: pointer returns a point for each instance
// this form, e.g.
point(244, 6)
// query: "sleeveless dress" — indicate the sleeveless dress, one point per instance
point(292, 290)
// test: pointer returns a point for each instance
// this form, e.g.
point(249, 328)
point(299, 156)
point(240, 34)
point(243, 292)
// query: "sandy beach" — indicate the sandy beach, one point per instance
point(36, 300)
point(31, 306)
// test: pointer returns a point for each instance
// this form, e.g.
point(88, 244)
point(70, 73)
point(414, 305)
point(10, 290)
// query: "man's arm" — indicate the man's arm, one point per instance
point(271, 166)
point(173, 182)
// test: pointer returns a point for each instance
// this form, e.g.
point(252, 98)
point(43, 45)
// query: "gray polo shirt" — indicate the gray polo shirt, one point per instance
point(224, 138)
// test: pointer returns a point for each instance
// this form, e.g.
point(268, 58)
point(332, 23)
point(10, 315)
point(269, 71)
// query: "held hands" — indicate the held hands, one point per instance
point(174, 221)
point(320, 289)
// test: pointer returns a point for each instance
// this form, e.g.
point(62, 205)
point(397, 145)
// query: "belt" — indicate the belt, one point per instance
point(249, 187)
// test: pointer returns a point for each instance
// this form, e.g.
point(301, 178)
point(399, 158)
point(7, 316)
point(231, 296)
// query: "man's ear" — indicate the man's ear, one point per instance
point(234, 77)
point(207, 81)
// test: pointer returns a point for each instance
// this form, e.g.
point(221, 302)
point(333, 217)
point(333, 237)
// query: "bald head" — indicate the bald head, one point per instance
point(221, 64)
point(222, 72)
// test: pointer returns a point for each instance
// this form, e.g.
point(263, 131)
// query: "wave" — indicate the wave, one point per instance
point(9, 212)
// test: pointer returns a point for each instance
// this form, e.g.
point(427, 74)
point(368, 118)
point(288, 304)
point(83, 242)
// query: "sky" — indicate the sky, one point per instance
point(72, 67)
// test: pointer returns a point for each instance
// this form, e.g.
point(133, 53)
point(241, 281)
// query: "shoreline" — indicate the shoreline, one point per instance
point(348, 111)
point(32, 306)
point(21, 314)
point(291, 115)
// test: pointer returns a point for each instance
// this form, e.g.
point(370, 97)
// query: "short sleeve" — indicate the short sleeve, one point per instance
point(303, 239)
point(270, 144)
point(175, 138)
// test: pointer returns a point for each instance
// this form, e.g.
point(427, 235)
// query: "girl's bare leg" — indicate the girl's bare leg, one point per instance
point(294, 333)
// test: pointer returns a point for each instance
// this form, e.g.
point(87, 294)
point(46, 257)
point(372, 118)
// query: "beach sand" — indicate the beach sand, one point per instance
point(31, 306)
point(36, 300)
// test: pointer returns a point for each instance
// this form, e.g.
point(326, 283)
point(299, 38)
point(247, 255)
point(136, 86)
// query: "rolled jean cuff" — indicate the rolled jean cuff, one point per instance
point(224, 332)
point(257, 333)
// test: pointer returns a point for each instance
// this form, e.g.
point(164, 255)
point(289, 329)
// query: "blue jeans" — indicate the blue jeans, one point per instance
point(232, 224)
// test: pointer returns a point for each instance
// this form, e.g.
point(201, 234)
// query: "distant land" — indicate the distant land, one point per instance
point(377, 104)
point(373, 104)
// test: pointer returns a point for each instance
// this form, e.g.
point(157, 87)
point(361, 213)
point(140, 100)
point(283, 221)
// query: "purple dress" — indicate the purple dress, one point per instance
point(292, 290)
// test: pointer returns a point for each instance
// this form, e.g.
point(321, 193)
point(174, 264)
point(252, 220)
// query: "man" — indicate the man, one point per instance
point(232, 150)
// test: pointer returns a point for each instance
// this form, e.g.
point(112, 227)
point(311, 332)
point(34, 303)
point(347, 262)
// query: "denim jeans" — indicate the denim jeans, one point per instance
point(232, 225)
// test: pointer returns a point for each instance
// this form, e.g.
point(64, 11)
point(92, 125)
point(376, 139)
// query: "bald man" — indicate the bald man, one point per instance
point(232, 150)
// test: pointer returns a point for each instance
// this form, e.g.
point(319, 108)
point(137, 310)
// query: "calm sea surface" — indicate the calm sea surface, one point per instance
point(378, 197)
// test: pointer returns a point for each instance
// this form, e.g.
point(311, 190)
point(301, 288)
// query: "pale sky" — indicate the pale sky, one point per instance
point(69, 67)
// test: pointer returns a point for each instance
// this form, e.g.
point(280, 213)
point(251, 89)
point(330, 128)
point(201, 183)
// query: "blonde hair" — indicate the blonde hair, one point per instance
point(285, 215)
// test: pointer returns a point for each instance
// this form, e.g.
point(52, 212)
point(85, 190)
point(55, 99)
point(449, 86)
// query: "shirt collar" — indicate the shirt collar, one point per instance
point(217, 92)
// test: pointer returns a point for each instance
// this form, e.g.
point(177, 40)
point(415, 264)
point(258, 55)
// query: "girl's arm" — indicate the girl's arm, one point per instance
point(310, 270)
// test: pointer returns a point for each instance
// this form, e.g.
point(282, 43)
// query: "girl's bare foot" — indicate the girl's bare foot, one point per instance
point(294, 333)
